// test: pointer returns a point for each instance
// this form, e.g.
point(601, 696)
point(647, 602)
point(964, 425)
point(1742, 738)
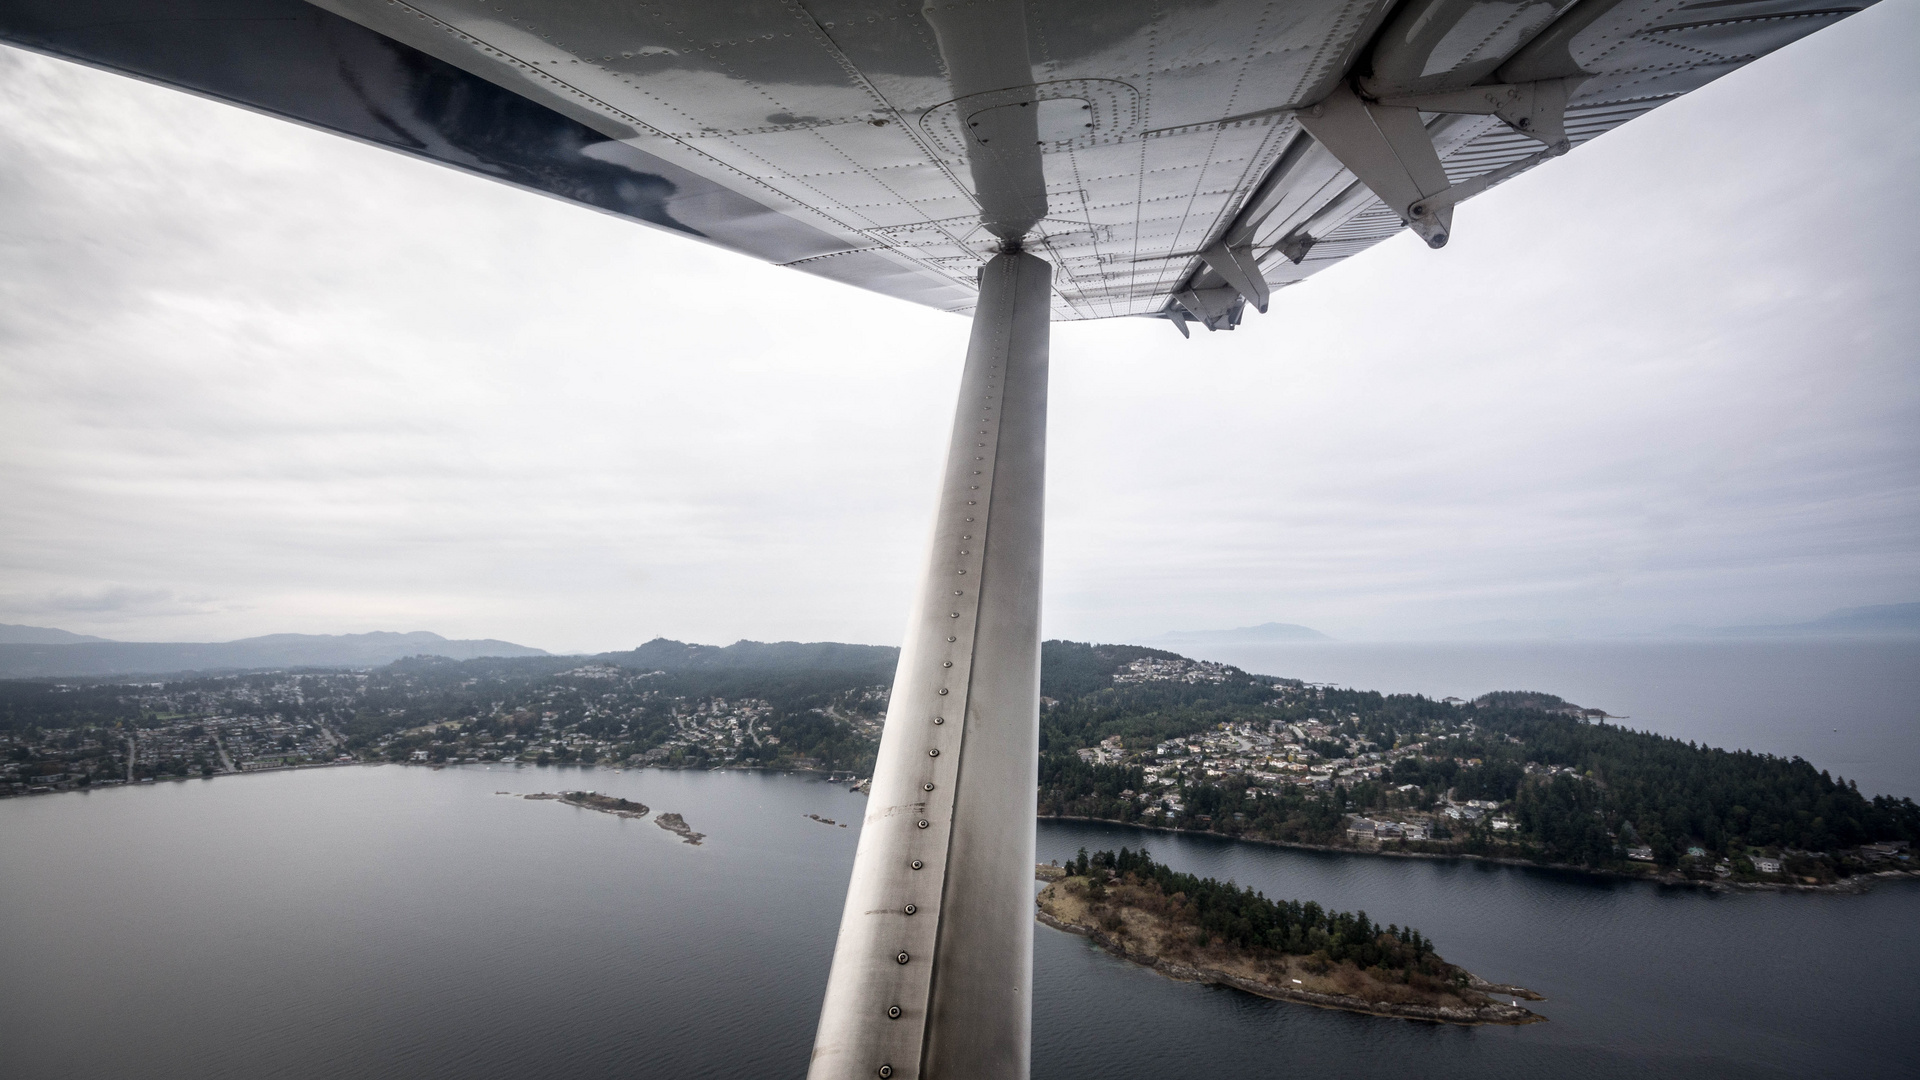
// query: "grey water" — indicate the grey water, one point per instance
point(1851, 707)
point(411, 923)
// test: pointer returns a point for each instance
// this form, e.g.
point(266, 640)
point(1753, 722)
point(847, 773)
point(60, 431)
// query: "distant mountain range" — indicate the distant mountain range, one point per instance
point(13, 634)
point(1246, 635)
point(78, 655)
point(50, 653)
point(668, 655)
point(1878, 620)
point(30, 652)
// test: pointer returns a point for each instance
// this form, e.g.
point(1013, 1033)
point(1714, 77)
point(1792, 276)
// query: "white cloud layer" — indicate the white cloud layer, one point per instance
point(254, 378)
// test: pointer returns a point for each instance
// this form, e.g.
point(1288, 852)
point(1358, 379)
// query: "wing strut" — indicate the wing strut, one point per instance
point(932, 973)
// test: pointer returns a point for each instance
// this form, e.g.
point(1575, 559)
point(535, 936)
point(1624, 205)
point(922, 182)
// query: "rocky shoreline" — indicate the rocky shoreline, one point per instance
point(1491, 1012)
point(1853, 886)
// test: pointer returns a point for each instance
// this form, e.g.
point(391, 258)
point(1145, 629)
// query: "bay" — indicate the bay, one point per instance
point(408, 922)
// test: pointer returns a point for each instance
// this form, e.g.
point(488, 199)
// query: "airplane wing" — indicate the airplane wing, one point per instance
point(1196, 155)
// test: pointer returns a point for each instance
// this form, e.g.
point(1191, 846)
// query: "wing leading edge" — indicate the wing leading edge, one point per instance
point(1196, 156)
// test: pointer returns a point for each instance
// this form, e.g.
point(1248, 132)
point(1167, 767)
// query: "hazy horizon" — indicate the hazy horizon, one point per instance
point(258, 379)
point(1165, 639)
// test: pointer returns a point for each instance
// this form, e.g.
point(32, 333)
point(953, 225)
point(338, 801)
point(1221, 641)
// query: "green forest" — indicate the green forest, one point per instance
point(1241, 917)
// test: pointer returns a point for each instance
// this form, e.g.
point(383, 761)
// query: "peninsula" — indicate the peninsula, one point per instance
point(1198, 929)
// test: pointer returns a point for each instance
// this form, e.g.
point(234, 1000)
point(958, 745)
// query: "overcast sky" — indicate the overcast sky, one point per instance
point(254, 378)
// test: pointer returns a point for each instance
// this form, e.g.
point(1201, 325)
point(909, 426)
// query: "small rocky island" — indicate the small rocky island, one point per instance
point(1197, 929)
point(593, 800)
point(621, 808)
point(677, 825)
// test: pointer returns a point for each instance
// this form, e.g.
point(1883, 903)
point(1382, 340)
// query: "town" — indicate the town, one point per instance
point(1272, 756)
point(203, 726)
point(1522, 776)
point(1129, 734)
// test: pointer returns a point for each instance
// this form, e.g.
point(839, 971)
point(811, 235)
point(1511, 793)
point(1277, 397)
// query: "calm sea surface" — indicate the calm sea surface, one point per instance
point(403, 922)
point(1852, 707)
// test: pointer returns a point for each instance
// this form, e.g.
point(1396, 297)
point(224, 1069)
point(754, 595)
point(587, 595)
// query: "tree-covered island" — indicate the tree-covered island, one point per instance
point(1128, 734)
point(1194, 928)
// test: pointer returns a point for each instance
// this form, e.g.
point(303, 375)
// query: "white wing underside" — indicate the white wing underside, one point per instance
point(1159, 123)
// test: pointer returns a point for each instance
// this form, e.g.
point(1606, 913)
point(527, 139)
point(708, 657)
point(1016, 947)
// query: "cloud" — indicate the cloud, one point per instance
point(1667, 379)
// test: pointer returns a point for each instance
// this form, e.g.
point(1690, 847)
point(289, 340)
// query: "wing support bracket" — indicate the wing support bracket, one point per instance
point(1216, 309)
point(1537, 110)
point(1236, 265)
point(1386, 145)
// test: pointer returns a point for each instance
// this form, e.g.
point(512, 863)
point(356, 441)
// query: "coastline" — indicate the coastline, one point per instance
point(103, 785)
point(1855, 885)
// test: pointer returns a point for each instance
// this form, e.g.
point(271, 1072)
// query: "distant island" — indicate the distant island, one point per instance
point(1245, 635)
point(1873, 621)
point(1200, 929)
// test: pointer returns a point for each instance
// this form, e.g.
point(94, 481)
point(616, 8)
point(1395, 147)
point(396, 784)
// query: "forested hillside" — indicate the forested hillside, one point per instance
point(1127, 734)
point(1522, 775)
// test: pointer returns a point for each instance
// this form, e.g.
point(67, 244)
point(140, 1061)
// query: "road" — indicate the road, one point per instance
point(225, 761)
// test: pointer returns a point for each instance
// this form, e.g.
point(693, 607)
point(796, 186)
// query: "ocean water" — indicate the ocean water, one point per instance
point(1851, 707)
point(404, 922)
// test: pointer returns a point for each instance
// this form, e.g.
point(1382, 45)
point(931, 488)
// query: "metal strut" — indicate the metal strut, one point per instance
point(932, 973)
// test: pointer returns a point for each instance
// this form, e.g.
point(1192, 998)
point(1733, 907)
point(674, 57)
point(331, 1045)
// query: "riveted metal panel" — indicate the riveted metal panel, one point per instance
point(949, 824)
